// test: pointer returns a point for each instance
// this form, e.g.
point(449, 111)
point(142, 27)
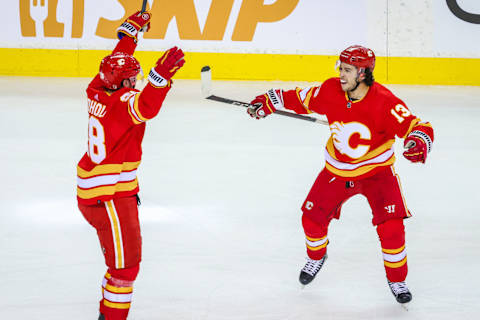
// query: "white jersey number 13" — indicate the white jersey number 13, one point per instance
point(400, 113)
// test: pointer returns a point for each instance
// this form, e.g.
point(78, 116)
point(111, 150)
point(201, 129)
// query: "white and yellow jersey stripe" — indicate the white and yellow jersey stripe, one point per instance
point(379, 157)
point(107, 180)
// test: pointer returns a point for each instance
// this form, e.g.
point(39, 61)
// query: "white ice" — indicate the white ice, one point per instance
point(221, 213)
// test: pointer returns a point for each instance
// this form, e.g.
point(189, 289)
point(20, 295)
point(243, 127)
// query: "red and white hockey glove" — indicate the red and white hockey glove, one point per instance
point(266, 104)
point(134, 24)
point(418, 143)
point(171, 61)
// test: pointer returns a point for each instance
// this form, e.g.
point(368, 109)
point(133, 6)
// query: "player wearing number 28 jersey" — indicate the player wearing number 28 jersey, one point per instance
point(107, 184)
point(116, 127)
point(364, 118)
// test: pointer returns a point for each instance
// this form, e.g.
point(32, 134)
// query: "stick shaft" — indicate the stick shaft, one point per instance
point(144, 6)
point(279, 112)
point(206, 78)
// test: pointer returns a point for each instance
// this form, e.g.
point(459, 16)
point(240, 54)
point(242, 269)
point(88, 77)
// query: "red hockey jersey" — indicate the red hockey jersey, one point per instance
point(116, 125)
point(362, 131)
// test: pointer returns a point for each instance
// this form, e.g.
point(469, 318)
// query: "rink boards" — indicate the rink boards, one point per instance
point(422, 42)
point(242, 66)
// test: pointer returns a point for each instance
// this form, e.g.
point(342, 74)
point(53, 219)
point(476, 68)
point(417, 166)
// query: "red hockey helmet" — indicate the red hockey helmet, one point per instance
point(116, 67)
point(359, 57)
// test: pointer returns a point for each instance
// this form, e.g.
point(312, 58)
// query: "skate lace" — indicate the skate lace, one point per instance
point(313, 266)
point(398, 287)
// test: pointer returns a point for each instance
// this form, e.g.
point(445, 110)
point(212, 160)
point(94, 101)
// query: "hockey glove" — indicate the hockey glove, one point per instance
point(171, 61)
point(134, 24)
point(265, 104)
point(418, 143)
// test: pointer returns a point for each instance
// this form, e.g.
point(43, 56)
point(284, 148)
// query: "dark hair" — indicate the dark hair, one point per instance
point(368, 77)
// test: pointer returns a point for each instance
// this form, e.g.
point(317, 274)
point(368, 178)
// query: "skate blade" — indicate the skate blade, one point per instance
point(405, 306)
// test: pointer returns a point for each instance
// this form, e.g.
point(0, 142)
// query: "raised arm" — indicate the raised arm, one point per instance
point(128, 31)
point(145, 105)
point(128, 36)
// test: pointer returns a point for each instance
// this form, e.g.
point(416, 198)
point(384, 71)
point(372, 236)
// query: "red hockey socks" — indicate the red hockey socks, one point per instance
point(117, 291)
point(315, 238)
point(392, 238)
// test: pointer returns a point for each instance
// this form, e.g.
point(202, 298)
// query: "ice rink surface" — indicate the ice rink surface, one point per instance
point(220, 217)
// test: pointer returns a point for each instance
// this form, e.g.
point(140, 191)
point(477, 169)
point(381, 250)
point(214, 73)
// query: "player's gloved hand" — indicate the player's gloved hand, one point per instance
point(134, 24)
point(416, 149)
point(265, 104)
point(171, 61)
point(418, 143)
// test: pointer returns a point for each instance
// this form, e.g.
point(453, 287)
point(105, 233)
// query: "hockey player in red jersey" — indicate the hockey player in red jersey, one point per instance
point(107, 183)
point(364, 118)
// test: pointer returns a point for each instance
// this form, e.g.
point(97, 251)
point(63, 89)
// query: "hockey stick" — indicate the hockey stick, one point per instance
point(206, 78)
point(144, 6)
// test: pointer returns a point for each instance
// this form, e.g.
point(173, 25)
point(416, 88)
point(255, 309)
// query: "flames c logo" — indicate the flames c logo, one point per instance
point(341, 134)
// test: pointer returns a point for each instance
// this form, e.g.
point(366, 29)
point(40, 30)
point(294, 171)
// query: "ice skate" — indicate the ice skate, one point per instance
point(310, 270)
point(400, 291)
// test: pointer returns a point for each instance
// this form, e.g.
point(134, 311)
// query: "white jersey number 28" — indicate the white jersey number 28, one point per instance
point(96, 140)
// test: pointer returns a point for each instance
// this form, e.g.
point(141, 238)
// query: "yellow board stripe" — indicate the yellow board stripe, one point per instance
point(107, 169)
point(395, 264)
point(116, 305)
point(116, 233)
point(242, 66)
point(394, 251)
point(108, 190)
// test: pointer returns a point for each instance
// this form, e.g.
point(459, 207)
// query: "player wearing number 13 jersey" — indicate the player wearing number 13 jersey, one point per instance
point(107, 184)
point(364, 119)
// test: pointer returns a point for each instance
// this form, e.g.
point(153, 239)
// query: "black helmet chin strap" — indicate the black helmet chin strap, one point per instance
point(356, 79)
point(356, 86)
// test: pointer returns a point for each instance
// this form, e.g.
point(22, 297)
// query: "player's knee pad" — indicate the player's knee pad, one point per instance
point(126, 274)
